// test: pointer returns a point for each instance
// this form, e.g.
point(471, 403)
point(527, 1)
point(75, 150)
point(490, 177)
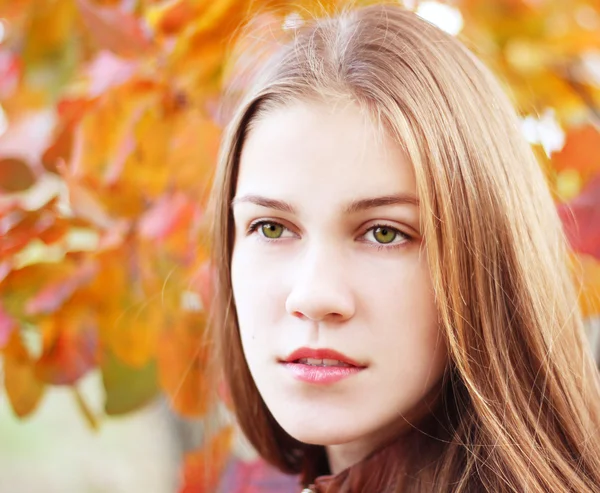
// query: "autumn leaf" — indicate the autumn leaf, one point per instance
point(19, 227)
point(7, 325)
point(23, 388)
point(581, 151)
point(183, 358)
point(56, 292)
point(193, 152)
point(127, 388)
point(581, 220)
point(70, 111)
point(114, 29)
point(21, 285)
point(70, 345)
point(586, 270)
point(49, 31)
point(10, 73)
point(107, 70)
point(83, 200)
point(171, 17)
point(169, 213)
point(203, 467)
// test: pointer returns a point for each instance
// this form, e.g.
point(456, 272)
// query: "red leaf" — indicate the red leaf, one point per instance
point(581, 220)
point(114, 29)
point(15, 175)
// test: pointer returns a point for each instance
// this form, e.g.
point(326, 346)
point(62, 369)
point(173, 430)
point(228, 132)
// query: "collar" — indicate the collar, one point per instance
point(378, 472)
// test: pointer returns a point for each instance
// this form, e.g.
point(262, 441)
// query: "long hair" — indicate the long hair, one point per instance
point(522, 398)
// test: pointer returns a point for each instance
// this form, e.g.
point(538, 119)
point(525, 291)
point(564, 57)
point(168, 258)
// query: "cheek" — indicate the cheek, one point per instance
point(409, 335)
point(254, 285)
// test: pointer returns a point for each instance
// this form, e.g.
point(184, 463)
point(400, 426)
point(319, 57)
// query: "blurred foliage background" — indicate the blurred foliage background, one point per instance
point(109, 133)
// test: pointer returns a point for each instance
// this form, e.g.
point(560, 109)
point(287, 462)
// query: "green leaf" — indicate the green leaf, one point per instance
point(127, 388)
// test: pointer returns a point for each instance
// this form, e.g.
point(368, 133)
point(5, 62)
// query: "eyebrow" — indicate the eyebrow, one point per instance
point(353, 207)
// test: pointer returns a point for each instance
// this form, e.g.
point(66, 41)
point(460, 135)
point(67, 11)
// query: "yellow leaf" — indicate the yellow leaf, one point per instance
point(51, 25)
point(23, 388)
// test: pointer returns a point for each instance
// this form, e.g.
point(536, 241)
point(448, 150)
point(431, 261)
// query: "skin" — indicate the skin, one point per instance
point(318, 279)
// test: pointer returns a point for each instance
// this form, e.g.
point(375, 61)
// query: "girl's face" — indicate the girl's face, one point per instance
point(327, 254)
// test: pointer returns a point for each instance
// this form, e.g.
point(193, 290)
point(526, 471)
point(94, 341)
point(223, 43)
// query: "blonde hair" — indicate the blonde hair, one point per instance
point(522, 399)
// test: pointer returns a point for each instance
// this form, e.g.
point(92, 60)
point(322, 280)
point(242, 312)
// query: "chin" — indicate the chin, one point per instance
point(319, 431)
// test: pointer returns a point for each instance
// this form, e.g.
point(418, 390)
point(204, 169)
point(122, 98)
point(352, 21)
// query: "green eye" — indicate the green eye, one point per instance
point(272, 230)
point(384, 235)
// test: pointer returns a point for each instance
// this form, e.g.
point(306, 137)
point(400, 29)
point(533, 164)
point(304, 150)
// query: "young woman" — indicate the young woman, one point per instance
point(394, 308)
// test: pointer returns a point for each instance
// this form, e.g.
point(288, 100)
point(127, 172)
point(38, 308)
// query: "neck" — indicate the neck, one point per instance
point(344, 455)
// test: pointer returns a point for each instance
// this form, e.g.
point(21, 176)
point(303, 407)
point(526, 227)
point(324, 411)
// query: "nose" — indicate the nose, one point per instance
point(320, 291)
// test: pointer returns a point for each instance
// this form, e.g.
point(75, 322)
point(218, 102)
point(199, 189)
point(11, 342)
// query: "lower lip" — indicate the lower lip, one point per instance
point(321, 374)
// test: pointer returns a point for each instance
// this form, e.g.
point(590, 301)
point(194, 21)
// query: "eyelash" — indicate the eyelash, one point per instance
point(379, 246)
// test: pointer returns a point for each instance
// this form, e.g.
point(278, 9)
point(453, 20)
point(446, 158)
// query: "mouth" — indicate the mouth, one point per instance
point(322, 362)
point(321, 357)
point(321, 366)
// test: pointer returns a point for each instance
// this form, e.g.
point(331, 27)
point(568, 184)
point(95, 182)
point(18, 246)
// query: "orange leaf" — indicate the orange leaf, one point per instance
point(21, 226)
point(56, 292)
point(23, 389)
point(20, 285)
point(132, 327)
point(60, 149)
point(194, 152)
point(581, 151)
point(114, 29)
point(70, 112)
point(15, 175)
point(170, 18)
point(203, 467)
point(70, 344)
point(129, 319)
point(182, 365)
point(587, 273)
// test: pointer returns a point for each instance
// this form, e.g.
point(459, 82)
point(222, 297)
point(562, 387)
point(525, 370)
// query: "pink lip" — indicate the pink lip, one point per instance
point(320, 374)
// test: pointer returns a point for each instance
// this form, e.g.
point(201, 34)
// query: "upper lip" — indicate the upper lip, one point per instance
point(323, 353)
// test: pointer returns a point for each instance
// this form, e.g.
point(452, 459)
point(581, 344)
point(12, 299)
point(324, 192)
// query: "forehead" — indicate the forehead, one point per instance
point(322, 152)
